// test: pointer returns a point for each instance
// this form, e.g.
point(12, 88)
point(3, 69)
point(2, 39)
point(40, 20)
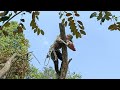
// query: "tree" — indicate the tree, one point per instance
point(11, 44)
point(68, 18)
point(48, 73)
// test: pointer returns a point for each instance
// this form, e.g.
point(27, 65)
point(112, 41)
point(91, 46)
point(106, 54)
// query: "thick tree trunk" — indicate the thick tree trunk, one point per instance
point(64, 64)
point(7, 66)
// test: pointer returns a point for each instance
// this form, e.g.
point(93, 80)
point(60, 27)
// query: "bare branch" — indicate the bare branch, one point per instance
point(7, 65)
point(69, 60)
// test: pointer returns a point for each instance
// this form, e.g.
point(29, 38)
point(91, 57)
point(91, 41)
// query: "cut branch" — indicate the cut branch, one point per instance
point(7, 65)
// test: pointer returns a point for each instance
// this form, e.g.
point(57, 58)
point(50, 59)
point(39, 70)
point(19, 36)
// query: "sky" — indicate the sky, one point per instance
point(97, 54)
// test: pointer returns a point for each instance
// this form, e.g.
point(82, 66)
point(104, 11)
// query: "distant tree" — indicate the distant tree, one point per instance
point(11, 44)
point(48, 73)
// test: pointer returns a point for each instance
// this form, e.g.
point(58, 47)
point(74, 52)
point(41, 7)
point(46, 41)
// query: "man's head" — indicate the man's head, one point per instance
point(69, 37)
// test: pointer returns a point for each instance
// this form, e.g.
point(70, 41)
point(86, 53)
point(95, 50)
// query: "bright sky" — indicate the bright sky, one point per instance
point(97, 55)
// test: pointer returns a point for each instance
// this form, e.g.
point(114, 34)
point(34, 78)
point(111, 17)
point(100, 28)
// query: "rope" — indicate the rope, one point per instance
point(46, 59)
point(35, 57)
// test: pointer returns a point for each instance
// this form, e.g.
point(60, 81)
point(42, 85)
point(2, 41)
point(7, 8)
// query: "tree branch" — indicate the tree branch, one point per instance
point(69, 60)
point(7, 65)
point(12, 17)
point(64, 64)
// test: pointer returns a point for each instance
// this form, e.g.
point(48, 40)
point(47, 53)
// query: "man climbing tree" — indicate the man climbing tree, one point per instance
point(68, 18)
point(55, 53)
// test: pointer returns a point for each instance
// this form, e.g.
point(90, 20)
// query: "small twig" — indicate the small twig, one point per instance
point(69, 60)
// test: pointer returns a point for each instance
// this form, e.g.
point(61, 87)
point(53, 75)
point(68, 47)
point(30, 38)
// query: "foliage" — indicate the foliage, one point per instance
point(6, 16)
point(11, 44)
point(106, 15)
point(69, 19)
point(47, 73)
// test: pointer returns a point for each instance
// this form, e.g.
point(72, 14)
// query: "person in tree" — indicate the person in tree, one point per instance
point(55, 53)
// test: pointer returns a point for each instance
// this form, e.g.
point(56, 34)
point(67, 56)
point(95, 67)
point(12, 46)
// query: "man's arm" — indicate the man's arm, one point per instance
point(59, 39)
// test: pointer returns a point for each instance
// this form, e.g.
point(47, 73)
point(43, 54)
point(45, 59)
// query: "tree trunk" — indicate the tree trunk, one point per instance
point(64, 64)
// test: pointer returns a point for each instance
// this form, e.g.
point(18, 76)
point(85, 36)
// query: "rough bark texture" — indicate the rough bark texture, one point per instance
point(64, 64)
point(7, 66)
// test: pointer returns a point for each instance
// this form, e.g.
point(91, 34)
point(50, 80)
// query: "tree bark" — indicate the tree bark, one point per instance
point(7, 66)
point(64, 64)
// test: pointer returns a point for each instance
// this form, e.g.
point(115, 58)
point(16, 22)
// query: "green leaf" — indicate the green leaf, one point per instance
point(81, 27)
point(82, 32)
point(78, 35)
point(107, 18)
point(68, 14)
point(42, 32)
point(112, 27)
point(23, 20)
point(77, 15)
point(73, 28)
point(33, 24)
point(35, 30)
point(103, 19)
point(4, 18)
point(61, 16)
point(72, 25)
point(80, 22)
point(70, 18)
point(116, 18)
point(38, 31)
point(73, 31)
point(37, 17)
point(59, 13)
point(108, 13)
point(99, 16)
point(93, 15)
